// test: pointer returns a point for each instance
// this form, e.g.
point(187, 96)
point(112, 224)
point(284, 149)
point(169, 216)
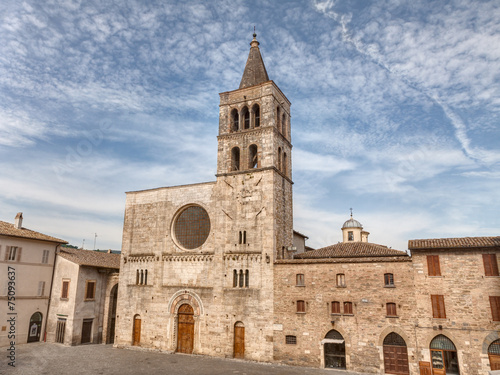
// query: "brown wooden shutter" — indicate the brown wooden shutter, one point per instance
point(438, 310)
point(65, 288)
point(490, 264)
point(19, 249)
point(495, 308)
point(391, 309)
point(433, 265)
point(7, 252)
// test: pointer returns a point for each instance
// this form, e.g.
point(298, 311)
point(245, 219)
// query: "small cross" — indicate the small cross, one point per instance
point(351, 211)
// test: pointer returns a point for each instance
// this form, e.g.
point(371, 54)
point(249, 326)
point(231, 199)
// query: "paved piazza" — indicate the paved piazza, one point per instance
point(53, 359)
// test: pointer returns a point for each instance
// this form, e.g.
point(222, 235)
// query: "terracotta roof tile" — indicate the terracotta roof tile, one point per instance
point(454, 243)
point(352, 250)
point(8, 229)
point(91, 258)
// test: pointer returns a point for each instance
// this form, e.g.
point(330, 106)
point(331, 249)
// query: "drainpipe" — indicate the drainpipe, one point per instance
point(50, 293)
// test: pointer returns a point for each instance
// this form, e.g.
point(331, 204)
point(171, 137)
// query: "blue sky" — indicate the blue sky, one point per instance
point(395, 110)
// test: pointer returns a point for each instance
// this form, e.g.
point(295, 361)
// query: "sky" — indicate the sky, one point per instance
point(395, 110)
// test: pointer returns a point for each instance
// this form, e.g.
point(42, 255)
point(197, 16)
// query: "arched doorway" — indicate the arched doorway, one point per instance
point(494, 355)
point(395, 355)
point(239, 340)
point(35, 327)
point(444, 358)
point(136, 332)
point(334, 347)
point(185, 329)
point(113, 297)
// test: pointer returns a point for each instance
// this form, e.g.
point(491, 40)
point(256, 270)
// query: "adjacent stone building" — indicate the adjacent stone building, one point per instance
point(84, 297)
point(27, 264)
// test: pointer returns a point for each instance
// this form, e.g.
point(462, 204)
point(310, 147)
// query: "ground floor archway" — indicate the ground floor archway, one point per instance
point(395, 355)
point(334, 349)
point(113, 299)
point(185, 329)
point(35, 327)
point(494, 355)
point(444, 357)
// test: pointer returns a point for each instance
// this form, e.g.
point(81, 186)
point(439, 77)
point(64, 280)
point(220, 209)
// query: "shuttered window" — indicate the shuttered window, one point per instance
point(495, 308)
point(301, 306)
point(433, 265)
point(391, 309)
point(490, 264)
point(348, 308)
point(335, 307)
point(45, 257)
point(65, 289)
point(90, 290)
point(341, 280)
point(438, 310)
point(41, 288)
point(300, 279)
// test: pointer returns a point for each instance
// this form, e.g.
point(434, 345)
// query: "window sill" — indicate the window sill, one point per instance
point(302, 286)
point(64, 299)
point(336, 314)
point(389, 286)
point(492, 276)
point(341, 286)
point(392, 316)
point(300, 312)
point(348, 314)
point(89, 300)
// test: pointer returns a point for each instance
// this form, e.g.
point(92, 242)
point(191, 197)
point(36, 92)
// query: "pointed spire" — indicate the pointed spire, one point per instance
point(255, 71)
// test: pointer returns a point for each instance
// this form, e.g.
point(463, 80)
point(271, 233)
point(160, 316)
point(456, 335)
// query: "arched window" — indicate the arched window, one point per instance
point(284, 163)
point(256, 115)
point(235, 159)
point(283, 125)
point(245, 114)
point(146, 277)
point(241, 279)
point(235, 120)
point(137, 278)
point(278, 119)
point(253, 161)
point(444, 356)
point(279, 158)
point(235, 279)
point(494, 355)
point(142, 277)
point(247, 278)
point(244, 236)
point(395, 355)
point(241, 237)
point(334, 348)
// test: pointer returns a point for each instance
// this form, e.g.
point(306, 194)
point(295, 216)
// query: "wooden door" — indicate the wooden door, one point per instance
point(437, 360)
point(396, 359)
point(494, 362)
point(35, 327)
point(185, 329)
point(239, 341)
point(137, 331)
point(425, 368)
point(86, 331)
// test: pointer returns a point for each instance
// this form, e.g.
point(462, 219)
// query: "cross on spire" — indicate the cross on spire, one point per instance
point(351, 211)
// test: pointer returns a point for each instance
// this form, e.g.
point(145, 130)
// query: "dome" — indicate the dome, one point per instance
point(351, 223)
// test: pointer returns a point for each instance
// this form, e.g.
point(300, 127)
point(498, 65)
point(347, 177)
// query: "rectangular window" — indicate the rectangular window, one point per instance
point(12, 251)
point(300, 279)
point(389, 279)
point(391, 309)
point(490, 264)
point(45, 257)
point(348, 308)
point(301, 307)
point(90, 290)
point(41, 288)
point(438, 310)
point(290, 340)
point(350, 236)
point(65, 289)
point(433, 265)
point(335, 307)
point(341, 280)
point(495, 308)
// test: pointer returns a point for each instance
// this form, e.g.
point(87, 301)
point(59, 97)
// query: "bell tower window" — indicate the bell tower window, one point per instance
point(256, 115)
point(284, 163)
point(279, 158)
point(278, 118)
point(246, 118)
point(283, 124)
point(235, 159)
point(252, 156)
point(235, 120)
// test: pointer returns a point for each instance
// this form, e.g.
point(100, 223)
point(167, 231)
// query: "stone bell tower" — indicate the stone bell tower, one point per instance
point(254, 161)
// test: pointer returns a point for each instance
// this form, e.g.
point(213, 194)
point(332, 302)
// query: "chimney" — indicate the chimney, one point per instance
point(109, 251)
point(19, 220)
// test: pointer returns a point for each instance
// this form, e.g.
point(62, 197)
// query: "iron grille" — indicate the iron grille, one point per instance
point(494, 347)
point(192, 227)
point(394, 339)
point(291, 340)
point(442, 342)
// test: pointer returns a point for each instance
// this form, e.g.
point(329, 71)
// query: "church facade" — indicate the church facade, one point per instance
point(197, 260)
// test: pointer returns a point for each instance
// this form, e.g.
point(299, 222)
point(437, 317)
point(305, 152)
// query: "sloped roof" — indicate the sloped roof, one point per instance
point(352, 250)
point(255, 70)
point(91, 258)
point(8, 229)
point(454, 243)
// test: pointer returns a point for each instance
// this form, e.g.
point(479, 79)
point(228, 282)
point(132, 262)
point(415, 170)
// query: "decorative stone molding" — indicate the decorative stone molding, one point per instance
point(189, 258)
